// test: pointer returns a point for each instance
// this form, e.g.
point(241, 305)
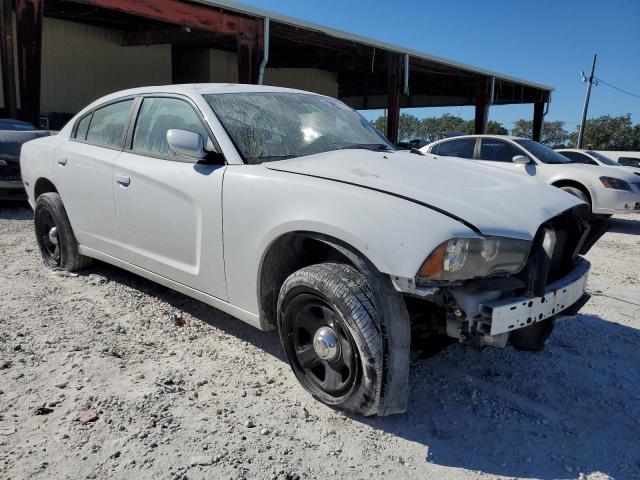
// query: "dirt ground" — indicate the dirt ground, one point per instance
point(214, 398)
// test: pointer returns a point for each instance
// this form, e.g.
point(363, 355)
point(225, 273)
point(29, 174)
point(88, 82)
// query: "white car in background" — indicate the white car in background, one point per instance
point(608, 190)
point(289, 211)
point(589, 157)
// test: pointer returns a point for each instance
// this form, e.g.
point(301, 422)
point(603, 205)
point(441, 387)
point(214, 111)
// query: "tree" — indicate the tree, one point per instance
point(431, 128)
point(553, 133)
point(609, 133)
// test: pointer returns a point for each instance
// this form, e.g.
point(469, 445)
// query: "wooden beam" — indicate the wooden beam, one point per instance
point(393, 97)
point(9, 81)
point(179, 13)
point(538, 119)
point(29, 42)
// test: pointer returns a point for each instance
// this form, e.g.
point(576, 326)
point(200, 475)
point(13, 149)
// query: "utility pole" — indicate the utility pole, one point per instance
point(586, 104)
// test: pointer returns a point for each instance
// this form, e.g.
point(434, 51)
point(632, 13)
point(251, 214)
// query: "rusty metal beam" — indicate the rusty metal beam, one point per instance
point(7, 59)
point(250, 50)
point(179, 13)
point(29, 42)
point(393, 97)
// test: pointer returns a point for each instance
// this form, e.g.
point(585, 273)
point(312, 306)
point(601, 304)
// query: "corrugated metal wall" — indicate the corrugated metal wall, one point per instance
point(1, 88)
point(223, 67)
point(81, 63)
point(311, 79)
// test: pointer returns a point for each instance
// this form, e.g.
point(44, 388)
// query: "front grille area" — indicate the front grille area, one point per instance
point(570, 230)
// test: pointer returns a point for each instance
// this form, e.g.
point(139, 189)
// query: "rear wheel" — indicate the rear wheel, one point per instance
point(54, 235)
point(328, 329)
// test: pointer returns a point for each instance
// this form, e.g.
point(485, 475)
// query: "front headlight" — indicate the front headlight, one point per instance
point(615, 183)
point(467, 258)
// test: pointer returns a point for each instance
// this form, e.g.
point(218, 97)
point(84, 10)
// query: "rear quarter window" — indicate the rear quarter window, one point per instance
point(82, 127)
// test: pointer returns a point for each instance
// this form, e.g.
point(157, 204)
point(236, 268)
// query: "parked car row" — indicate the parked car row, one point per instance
point(289, 211)
point(608, 189)
point(14, 133)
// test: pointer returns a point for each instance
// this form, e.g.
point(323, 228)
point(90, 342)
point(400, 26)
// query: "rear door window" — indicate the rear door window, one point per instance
point(496, 150)
point(462, 148)
point(107, 124)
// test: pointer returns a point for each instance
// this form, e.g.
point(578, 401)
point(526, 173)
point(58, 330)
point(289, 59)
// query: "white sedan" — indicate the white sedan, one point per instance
point(608, 190)
point(289, 211)
point(589, 157)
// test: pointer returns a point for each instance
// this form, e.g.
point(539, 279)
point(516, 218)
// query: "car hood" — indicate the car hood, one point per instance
point(494, 201)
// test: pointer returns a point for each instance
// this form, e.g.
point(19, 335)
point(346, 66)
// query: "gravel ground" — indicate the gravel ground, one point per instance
point(176, 389)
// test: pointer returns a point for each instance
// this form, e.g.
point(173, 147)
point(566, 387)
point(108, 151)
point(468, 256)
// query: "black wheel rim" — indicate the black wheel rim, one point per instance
point(44, 225)
point(304, 316)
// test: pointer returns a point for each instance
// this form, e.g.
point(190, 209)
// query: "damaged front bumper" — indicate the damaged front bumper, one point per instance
point(503, 316)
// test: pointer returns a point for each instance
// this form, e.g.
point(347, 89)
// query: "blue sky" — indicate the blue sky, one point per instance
point(544, 41)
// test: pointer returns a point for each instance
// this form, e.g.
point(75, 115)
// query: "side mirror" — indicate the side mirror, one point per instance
point(187, 143)
point(520, 160)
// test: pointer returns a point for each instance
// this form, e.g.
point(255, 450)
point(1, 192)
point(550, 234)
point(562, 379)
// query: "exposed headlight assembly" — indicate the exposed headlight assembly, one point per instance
point(467, 258)
point(615, 183)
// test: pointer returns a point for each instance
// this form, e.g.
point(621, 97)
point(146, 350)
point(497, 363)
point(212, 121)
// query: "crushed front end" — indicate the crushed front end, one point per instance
point(520, 308)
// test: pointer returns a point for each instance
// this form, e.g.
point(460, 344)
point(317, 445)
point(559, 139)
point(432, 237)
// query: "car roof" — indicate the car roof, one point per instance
point(507, 137)
point(204, 89)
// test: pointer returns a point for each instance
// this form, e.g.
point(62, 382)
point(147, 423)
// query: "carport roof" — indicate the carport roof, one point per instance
point(295, 22)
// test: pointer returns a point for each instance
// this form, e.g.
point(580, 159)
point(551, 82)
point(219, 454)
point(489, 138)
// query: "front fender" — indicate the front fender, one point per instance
point(261, 205)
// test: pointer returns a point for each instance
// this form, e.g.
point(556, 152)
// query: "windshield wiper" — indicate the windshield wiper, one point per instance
point(374, 147)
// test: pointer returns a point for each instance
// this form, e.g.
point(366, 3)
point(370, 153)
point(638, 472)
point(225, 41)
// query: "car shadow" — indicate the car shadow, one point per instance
point(574, 408)
point(266, 341)
point(571, 409)
point(624, 225)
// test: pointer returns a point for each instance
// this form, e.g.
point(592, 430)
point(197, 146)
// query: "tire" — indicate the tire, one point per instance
point(578, 192)
point(533, 337)
point(60, 249)
point(335, 297)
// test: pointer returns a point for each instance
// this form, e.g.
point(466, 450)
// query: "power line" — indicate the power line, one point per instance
point(599, 80)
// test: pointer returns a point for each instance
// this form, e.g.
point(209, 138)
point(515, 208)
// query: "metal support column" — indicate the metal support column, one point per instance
point(482, 108)
point(250, 51)
point(29, 42)
point(7, 60)
point(393, 98)
point(538, 119)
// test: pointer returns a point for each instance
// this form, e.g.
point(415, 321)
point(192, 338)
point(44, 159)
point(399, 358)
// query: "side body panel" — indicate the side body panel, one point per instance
point(83, 174)
point(36, 161)
point(170, 216)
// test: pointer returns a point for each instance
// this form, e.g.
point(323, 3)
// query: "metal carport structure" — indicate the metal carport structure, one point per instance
point(370, 74)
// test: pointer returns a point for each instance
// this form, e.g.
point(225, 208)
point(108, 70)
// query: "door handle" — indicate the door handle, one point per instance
point(123, 181)
point(62, 162)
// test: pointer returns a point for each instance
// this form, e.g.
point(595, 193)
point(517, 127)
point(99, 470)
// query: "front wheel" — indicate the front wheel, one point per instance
point(577, 192)
point(328, 328)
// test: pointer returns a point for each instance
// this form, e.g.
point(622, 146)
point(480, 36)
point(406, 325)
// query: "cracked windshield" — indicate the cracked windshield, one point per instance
point(277, 126)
